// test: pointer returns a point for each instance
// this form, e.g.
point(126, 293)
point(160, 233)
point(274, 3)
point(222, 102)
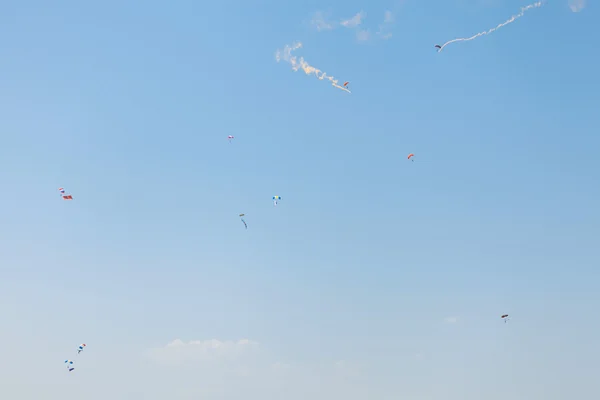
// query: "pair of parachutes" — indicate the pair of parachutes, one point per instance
point(275, 201)
point(69, 363)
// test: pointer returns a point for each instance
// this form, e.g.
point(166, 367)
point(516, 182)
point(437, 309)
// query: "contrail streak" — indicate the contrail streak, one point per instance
point(299, 63)
point(512, 19)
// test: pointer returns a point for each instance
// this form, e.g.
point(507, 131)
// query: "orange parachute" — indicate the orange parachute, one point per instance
point(346, 84)
point(64, 195)
point(410, 156)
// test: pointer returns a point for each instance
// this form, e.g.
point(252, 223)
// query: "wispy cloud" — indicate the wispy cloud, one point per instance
point(384, 28)
point(320, 23)
point(178, 351)
point(451, 320)
point(234, 369)
point(363, 35)
point(388, 17)
point(354, 21)
point(577, 5)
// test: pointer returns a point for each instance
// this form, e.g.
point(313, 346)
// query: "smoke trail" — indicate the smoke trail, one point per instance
point(299, 63)
point(512, 19)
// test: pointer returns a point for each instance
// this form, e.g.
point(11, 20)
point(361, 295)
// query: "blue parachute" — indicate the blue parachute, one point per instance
point(69, 365)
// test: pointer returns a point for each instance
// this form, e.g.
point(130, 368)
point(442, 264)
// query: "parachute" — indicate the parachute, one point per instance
point(230, 138)
point(241, 217)
point(346, 84)
point(64, 195)
point(410, 156)
point(80, 348)
point(276, 200)
point(69, 365)
point(437, 46)
point(504, 317)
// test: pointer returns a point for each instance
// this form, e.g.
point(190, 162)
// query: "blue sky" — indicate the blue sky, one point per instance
point(374, 276)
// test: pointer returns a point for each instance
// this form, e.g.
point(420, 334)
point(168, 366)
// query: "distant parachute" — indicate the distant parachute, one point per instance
point(504, 317)
point(276, 200)
point(241, 217)
point(63, 195)
point(80, 348)
point(69, 365)
point(411, 155)
point(346, 84)
point(230, 138)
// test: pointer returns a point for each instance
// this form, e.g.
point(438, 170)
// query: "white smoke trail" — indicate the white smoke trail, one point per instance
point(299, 63)
point(512, 19)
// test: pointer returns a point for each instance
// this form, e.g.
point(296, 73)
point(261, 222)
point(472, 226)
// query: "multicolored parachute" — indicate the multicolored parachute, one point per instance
point(241, 217)
point(411, 155)
point(505, 317)
point(230, 138)
point(63, 195)
point(276, 200)
point(80, 348)
point(69, 365)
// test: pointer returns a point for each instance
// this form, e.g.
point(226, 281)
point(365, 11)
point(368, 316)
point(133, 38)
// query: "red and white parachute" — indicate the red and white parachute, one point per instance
point(64, 195)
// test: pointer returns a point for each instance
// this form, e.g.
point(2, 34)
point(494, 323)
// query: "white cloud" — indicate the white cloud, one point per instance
point(354, 21)
point(320, 22)
point(388, 21)
point(577, 5)
point(363, 35)
point(451, 320)
point(178, 351)
point(218, 369)
point(388, 17)
point(212, 344)
point(280, 366)
point(348, 369)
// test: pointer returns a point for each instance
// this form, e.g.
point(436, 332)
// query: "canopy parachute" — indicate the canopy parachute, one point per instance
point(64, 195)
point(69, 365)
